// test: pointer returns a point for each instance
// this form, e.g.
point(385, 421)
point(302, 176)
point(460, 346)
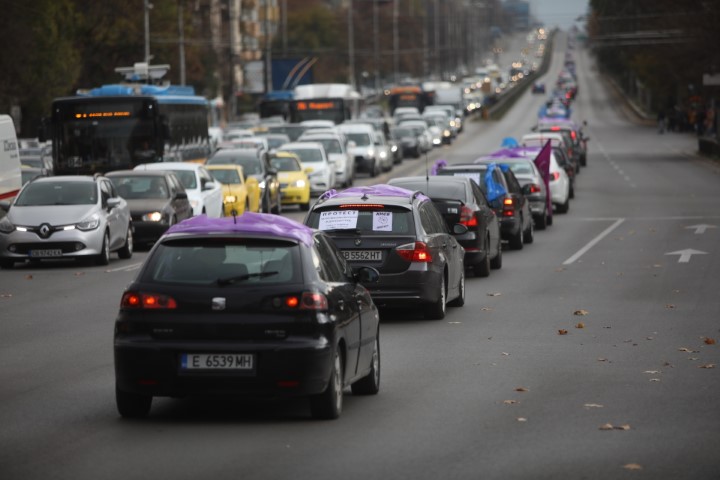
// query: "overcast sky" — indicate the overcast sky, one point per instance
point(561, 13)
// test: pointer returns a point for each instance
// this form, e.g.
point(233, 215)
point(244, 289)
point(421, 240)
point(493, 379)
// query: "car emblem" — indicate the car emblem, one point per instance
point(44, 230)
point(218, 303)
point(358, 241)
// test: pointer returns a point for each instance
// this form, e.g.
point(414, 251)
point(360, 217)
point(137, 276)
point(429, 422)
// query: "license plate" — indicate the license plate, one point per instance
point(217, 361)
point(362, 255)
point(50, 252)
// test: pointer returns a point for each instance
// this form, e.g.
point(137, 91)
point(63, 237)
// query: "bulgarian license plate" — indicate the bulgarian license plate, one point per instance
point(217, 361)
point(362, 255)
point(44, 253)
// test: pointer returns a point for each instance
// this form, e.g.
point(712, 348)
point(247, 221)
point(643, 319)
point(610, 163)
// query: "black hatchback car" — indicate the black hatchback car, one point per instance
point(254, 305)
point(506, 197)
point(402, 234)
point(460, 200)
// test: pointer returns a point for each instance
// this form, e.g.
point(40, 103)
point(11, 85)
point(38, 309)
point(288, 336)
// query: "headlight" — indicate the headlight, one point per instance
point(383, 154)
point(90, 223)
point(394, 148)
point(6, 226)
point(447, 133)
point(262, 185)
point(194, 204)
point(230, 198)
point(453, 123)
point(152, 217)
point(300, 184)
point(371, 152)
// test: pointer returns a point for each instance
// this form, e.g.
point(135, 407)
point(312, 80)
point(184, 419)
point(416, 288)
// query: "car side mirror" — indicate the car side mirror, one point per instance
point(5, 205)
point(181, 196)
point(113, 202)
point(209, 185)
point(459, 229)
point(366, 275)
point(272, 171)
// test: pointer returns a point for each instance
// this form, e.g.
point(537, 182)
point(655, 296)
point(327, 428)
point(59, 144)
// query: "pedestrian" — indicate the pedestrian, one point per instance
point(661, 121)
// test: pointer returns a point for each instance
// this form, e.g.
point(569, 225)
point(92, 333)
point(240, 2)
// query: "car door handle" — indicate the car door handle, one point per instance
point(444, 245)
point(341, 304)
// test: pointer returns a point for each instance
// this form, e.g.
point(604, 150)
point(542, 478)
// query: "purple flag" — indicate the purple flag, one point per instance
point(542, 161)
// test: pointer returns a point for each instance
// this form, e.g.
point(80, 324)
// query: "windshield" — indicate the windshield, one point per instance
point(58, 193)
point(331, 145)
point(285, 164)
point(187, 178)
point(225, 262)
point(308, 155)
point(250, 164)
point(136, 186)
point(229, 176)
point(360, 139)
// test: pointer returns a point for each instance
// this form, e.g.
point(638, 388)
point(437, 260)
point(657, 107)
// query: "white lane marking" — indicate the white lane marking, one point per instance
point(592, 242)
point(126, 268)
point(686, 254)
point(700, 229)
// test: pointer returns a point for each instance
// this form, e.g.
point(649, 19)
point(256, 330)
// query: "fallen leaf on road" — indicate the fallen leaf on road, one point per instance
point(710, 341)
point(623, 427)
point(632, 466)
point(6, 295)
point(652, 372)
point(692, 359)
point(654, 379)
point(601, 359)
point(593, 405)
point(454, 323)
point(79, 274)
point(522, 419)
point(685, 349)
point(505, 354)
point(562, 332)
point(669, 306)
point(580, 312)
point(28, 277)
point(496, 294)
point(709, 365)
point(580, 325)
point(607, 426)
point(648, 338)
point(668, 364)
point(510, 402)
point(486, 309)
point(522, 389)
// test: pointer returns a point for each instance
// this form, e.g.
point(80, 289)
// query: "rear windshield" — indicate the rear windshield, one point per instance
point(380, 221)
point(437, 189)
point(225, 262)
point(136, 186)
point(476, 175)
point(250, 163)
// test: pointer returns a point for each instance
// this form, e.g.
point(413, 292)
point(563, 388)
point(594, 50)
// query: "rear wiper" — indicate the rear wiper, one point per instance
point(356, 231)
point(240, 278)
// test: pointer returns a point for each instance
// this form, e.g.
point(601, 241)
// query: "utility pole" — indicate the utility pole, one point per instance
point(181, 30)
point(267, 78)
point(147, 6)
point(376, 45)
point(436, 14)
point(396, 43)
point(351, 46)
point(284, 28)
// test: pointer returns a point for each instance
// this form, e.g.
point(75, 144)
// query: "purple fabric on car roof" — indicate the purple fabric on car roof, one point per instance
point(248, 222)
point(381, 190)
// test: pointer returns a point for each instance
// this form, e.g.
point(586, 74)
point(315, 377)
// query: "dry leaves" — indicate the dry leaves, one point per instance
point(505, 354)
point(652, 372)
point(5, 295)
point(79, 274)
point(580, 325)
point(632, 466)
point(510, 402)
point(581, 312)
point(28, 277)
point(454, 323)
point(687, 350)
point(486, 309)
point(654, 379)
point(593, 405)
point(562, 332)
point(609, 426)
point(709, 365)
point(496, 294)
point(522, 389)
point(709, 341)
point(522, 419)
point(602, 359)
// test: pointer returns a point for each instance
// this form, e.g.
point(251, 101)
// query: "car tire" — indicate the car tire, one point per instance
point(572, 192)
point(103, 258)
point(460, 300)
point(583, 161)
point(127, 250)
point(496, 262)
point(6, 264)
point(529, 234)
point(516, 241)
point(375, 171)
point(541, 221)
point(482, 269)
point(305, 206)
point(328, 404)
point(549, 220)
point(370, 383)
point(264, 204)
point(564, 207)
point(436, 310)
point(132, 405)
point(278, 208)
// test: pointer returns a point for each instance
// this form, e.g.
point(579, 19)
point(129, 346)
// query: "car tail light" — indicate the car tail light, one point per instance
point(150, 301)
point(573, 134)
point(415, 252)
point(508, 207)
point(535, 188)
point(555, 129)
point(555, 176)
point(467, 217)
point(313, 301)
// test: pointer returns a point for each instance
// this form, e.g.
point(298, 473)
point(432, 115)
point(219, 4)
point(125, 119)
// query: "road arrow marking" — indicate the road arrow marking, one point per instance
point(686, 254)
point(700, 229)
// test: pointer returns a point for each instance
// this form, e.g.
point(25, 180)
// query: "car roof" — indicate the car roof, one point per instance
point(139, 173)
point(67, 178)
point(169, 166)
point(299, 145)
point(247, 224)
point(380, 193)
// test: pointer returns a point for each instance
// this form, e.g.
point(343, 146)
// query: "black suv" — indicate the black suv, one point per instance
point(255, 163)
point(403, 235)
point(505, 196)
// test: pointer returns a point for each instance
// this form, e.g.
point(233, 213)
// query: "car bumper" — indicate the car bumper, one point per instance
point(289, 367)
point(509, 227)
point(148, 231)
point(420, 283)
point(69, 243)
point(293, 195)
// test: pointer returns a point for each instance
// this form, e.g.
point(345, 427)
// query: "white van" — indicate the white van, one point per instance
point(10, 177)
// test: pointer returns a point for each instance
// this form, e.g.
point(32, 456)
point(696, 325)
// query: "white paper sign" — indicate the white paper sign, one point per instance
point(338, 219)
point(382, 221)
point(474, 176)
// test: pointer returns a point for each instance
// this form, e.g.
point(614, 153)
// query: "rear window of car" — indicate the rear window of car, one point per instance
point(438, 190)
point(476, 175)
point(380, 221)
point(224, 262)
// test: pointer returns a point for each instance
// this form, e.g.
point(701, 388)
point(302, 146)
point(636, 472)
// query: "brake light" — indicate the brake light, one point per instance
point(508, 202)
point(555, 176)
point(362, 205)
point(415, 252)
point(555, 129)
point(313, 301)
point(467, 217)
point(573, 134)
point(150, 301)
point(534, 188)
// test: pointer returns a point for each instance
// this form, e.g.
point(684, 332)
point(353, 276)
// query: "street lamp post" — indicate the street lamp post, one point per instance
point(351, 45)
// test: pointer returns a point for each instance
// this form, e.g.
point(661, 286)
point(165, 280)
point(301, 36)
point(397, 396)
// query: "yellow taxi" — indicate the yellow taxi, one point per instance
point(239, 193)
point(294, 183)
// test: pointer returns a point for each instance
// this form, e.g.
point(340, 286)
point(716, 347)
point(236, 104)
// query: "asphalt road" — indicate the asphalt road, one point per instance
point(493, 391)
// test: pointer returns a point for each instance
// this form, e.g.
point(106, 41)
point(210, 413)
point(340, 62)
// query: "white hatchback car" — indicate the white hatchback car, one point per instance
point(204, 193)
point(336, 150)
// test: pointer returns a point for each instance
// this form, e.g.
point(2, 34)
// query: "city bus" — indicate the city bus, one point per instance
point(407, 96)
point(116, 127)
point(324, 101)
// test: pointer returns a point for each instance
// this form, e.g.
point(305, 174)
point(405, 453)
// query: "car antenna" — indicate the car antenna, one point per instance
point(234, 214)
point(427, 175)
